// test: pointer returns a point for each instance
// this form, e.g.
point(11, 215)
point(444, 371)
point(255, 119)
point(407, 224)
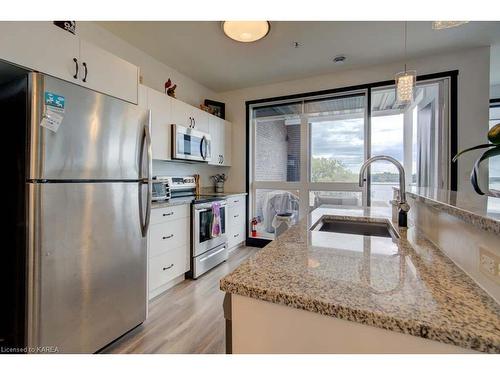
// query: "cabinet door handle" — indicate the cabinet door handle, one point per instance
point(236, 235)
point(167, 237)
point(194, 122)
point(86, 72)
point(168, 267)
point(76, 68)
point(235, 216)
point(168, 214)
point(222, 159)
point(236, 201)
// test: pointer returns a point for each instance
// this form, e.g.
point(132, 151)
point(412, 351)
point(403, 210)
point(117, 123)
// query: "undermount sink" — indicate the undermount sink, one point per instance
point(364, 228)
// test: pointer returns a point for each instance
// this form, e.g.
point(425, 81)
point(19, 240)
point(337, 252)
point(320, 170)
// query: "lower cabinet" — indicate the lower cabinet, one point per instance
point(236, 220)
point(165, 267)
point(168, 247)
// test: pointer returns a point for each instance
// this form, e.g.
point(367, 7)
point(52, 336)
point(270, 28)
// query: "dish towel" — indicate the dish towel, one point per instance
point(216, 220)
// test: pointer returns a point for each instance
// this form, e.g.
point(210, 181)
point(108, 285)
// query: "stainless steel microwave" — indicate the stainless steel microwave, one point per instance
point(191, 144)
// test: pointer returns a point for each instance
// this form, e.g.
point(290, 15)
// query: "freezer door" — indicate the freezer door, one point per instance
point(87, 264)
point(99, 136)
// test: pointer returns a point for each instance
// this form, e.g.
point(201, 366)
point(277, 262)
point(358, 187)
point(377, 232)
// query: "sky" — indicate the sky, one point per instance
point(344, 140)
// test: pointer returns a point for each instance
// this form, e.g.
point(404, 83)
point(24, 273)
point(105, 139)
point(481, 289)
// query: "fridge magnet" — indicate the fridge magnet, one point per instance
point(54, 101)
point(51, 120)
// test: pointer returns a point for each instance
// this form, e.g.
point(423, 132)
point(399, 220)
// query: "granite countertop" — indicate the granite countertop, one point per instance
point(225, 194)
point(478, 210)
point(406, 285)
point(172, 202)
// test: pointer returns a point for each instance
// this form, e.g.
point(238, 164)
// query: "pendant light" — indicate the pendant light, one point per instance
point(405, 80)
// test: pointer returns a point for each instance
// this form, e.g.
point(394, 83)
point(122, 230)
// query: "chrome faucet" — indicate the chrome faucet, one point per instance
point(401, 204)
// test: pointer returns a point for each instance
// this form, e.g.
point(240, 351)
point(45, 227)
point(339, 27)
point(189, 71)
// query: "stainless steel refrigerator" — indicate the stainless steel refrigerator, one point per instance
point(76, 259)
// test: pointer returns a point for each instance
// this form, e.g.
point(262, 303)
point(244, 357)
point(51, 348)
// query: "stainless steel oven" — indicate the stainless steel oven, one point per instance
point(208, 251)
point(190, 144)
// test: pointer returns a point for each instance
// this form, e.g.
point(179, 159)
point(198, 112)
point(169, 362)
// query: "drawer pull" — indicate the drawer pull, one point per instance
point(167, 268)
point(167, 237)
point(235, 216)
point(236, 201)
point(168, 214)
point(236, 235)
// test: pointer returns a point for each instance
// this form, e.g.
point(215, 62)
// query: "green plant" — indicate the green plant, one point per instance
point(494, 150)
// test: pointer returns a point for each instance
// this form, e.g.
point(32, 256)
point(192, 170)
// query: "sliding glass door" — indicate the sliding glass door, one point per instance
point(307, 152)
point(337, 149)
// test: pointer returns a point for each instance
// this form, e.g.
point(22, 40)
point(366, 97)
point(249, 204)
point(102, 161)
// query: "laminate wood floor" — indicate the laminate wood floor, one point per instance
point(187, 318)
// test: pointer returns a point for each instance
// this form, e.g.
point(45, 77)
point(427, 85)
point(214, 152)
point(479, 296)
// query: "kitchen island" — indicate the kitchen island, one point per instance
point(311, 291)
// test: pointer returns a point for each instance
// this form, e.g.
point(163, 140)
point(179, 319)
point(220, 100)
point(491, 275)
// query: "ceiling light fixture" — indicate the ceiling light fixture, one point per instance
point(246, 31)
point(405, 81)
point(440, 25)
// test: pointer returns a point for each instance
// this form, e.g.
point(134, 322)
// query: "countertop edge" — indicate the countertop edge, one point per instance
point(479, 221)
point(409, 327)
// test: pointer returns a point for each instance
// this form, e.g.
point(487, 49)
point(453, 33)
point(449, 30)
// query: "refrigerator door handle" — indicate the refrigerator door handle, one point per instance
point(146, 144)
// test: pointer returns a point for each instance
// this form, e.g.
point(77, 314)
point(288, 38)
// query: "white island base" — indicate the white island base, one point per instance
point(262, 327)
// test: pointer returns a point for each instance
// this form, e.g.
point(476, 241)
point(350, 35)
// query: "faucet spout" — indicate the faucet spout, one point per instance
point(402, 204)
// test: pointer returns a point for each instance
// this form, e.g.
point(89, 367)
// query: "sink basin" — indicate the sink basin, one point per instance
point(377, 229)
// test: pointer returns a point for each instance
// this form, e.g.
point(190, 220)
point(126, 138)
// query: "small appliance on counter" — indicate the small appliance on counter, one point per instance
point(166, 187)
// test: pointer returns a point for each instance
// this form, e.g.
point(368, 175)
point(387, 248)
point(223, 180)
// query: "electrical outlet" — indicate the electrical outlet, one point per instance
point(489, 264)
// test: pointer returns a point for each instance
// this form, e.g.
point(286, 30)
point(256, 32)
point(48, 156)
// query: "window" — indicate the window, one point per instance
point(277, 143)
point(494, 163)
point(307, 152)
point(416, 135)
point(337, 129)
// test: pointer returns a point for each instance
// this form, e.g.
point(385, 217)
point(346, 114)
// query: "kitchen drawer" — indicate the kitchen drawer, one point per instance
point(168, 235)
point(236, 237)
point(237, 230)
point(238, 200)
point(165, 214)
point(167, 266)
point(236, 213)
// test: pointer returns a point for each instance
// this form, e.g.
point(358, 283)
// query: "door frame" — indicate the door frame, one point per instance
point(271, 101)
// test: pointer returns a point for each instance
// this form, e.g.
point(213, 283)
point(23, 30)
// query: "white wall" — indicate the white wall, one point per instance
point(495, 91)
point(154, 72)
point(177, 168)
point(473, 97)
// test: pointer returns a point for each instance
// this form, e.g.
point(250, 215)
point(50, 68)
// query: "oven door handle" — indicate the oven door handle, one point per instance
point(203, 209)
point(213, 254)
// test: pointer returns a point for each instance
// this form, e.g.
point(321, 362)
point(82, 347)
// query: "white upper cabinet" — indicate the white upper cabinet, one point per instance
point(104, 72)
point(221, 132)
point(48, 49)
point(227, 156)
point(215, 130)
point(161, 123)
point(40, 46)
point(189, 116)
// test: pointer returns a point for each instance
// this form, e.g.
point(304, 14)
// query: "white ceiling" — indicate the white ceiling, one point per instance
point(201, 51)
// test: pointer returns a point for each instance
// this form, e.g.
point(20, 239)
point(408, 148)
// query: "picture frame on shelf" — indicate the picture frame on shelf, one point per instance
point(216, 108)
